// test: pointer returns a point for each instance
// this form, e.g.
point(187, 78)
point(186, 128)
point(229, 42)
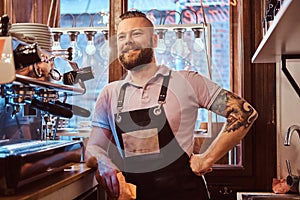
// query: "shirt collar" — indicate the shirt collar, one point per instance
point(162, 71)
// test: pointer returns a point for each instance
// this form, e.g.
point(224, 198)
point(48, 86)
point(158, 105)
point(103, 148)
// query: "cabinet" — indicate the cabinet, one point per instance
point(282, 37)
point(280, 44)
point(282, 40)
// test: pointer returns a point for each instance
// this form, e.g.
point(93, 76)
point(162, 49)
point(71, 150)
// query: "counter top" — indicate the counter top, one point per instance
point(68, 184)
point(271, 195)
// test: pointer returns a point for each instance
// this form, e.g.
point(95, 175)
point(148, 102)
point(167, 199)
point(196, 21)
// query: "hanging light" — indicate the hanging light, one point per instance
point(161, 46)
point(56, 40)
point(104, 49)
point(180, 48)
point(198, 45)
point(90, 48)
point(76, 52)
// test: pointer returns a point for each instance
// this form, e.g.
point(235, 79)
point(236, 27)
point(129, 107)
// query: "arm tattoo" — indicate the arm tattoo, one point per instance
point(237, 111)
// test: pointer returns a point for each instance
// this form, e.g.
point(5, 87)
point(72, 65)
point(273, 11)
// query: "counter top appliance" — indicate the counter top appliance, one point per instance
point(24, 161)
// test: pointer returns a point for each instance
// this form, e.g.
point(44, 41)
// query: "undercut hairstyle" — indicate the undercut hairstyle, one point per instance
point(136, 13)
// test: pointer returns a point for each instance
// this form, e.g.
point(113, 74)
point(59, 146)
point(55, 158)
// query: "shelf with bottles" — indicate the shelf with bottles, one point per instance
point(177, 43)
point(281, 40)
point(180, 46)
point(199, 40)
point(282, 36)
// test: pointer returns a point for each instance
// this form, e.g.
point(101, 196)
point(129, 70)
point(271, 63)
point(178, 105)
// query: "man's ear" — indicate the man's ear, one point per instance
point(154, 40)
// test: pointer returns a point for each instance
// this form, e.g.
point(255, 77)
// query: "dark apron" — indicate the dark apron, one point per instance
point(152, 158)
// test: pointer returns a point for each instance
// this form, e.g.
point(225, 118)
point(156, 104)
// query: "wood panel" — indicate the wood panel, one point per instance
point(117, 7)
point(257, 84)
point(32, 11)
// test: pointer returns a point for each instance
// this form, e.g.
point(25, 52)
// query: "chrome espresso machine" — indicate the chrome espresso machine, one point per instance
point(28, 78)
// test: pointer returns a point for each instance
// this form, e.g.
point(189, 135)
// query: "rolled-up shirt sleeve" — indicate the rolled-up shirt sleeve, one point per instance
point(101, 110)
point(206, 90)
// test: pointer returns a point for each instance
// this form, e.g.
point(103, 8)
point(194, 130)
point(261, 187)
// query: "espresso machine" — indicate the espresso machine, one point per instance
point(25, 83)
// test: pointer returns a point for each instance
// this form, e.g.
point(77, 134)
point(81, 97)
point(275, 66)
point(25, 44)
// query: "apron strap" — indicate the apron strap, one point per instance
point(162, 95)
point(164, 89)
point(121, 97)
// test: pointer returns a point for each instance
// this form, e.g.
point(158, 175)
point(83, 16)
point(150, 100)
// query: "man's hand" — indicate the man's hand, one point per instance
point(107, 178)
point(96, 157)
point(199, 165)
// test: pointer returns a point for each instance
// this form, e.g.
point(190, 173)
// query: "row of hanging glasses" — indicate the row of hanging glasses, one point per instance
point(186, 42)
point(88, 43)
point(183, 46)
point(183, 41)
point(179, 49)
point(90, 47)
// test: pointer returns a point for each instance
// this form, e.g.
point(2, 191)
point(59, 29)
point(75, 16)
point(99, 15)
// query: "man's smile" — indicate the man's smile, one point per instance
point(126, 50)
point(130, 52)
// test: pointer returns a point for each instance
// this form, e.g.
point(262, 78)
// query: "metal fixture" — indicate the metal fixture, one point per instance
point(289, 133)
point(292, 180)
point(287, 73)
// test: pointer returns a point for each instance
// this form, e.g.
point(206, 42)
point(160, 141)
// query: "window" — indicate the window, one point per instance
point(212, 58)
point(88, 23)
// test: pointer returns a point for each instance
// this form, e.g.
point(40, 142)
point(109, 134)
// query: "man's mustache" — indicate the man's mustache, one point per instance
point(125, 50)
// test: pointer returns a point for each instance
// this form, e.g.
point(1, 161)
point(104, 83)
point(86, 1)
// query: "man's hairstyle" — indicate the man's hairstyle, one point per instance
point(135, 13)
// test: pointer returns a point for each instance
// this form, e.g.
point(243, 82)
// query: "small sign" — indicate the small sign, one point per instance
point(7, 64)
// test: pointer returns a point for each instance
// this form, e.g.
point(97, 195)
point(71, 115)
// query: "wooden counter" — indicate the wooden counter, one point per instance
point(70, 183)
point(266, 195)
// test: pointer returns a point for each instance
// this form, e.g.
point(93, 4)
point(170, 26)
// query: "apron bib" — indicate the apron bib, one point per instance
point(152, 158)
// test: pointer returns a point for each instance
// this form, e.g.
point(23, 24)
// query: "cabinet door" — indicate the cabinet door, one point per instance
point(258, 166)
point(32, 11)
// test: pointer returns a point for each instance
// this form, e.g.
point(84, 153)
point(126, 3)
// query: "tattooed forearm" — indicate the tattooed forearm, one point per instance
point(239, 113)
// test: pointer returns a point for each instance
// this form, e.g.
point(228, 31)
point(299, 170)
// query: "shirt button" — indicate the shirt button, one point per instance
point(145, 98)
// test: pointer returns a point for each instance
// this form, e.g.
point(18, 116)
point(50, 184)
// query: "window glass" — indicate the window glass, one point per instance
point(211, 57)
point(88, 21)
point(212, 61)
point(217, 14)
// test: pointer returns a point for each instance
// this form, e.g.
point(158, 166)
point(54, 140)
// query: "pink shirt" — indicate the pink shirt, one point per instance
point(187, 92)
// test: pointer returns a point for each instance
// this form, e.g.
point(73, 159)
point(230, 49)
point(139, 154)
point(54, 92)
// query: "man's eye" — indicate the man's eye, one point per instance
point(136, 33)
point(120, 37)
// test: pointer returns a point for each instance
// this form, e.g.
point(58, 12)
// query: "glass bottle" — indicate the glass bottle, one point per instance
point(76, 52)
point(104, 49)
point(161, 46)
point(90, 48)
point(56, 41)
point(198, 44)
point(180, 48)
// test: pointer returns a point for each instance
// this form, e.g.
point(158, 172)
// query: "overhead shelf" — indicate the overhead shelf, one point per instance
point(283, 35)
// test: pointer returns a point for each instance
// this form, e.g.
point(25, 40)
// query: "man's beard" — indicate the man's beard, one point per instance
point(145, 57)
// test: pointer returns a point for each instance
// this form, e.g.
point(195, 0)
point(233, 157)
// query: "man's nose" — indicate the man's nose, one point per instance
point(128, 39)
